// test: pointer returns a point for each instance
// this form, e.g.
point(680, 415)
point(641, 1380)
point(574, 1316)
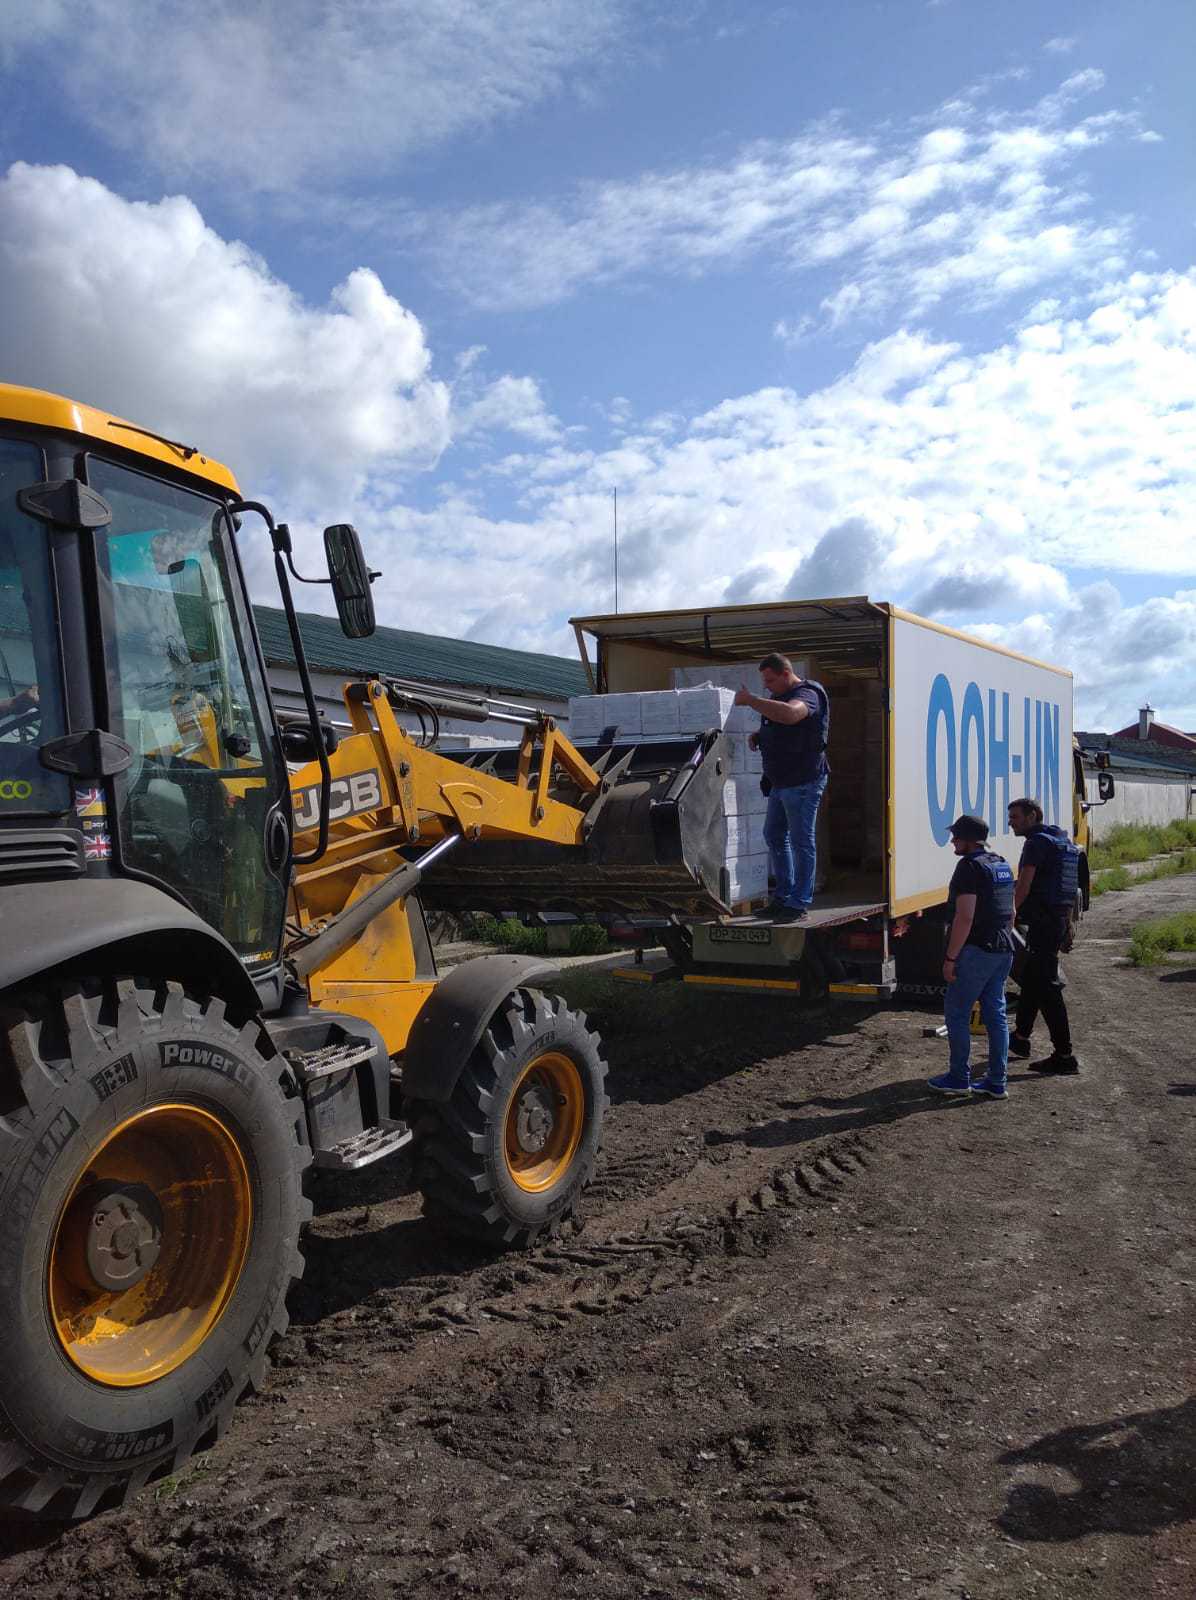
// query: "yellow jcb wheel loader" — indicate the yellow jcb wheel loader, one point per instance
point(214, 967)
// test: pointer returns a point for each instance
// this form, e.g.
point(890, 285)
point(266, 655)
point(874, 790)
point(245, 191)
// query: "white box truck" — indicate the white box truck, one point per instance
point(926, 722)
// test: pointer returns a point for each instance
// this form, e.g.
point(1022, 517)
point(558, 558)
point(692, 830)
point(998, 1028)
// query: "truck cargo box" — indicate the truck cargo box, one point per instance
point(926, 722)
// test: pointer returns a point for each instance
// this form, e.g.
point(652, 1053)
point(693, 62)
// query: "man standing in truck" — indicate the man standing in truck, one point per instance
point(794, 724)
point(1047, 880)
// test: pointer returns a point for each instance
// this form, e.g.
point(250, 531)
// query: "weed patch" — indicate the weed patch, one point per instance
point(1119, 878)
point(585, 938)
point(1151, 941)
point(1134, 841)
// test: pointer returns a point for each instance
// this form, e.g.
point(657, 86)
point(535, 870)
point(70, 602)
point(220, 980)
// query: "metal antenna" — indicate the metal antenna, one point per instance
point(615, 498)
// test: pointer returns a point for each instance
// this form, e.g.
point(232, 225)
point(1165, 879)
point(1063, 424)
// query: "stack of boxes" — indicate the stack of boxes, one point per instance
point(744, 803)
point(703, 698)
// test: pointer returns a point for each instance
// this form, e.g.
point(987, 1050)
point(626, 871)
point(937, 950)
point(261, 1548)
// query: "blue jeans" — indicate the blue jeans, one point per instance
point(789, 835)
point(979, 975)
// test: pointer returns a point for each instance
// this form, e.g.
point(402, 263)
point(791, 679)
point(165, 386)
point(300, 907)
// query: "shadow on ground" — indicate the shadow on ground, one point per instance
point(665, 1041)
point(348, 1269)
point(873, 1108)
point(1134, 1474)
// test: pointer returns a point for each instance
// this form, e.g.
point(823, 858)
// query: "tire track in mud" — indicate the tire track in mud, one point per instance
point(591, 1277)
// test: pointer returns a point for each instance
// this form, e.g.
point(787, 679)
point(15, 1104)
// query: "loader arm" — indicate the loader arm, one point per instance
point(638, 829)
point(389, 791)
point(389, 794)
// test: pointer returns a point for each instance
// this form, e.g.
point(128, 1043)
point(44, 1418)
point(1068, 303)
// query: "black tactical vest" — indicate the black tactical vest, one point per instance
point(994, 902)
point(1057, 879)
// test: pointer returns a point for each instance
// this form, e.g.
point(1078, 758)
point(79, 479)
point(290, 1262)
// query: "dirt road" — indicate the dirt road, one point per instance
point(823, 1336)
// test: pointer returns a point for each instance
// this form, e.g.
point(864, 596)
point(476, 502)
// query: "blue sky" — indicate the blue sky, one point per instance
point(887, 298)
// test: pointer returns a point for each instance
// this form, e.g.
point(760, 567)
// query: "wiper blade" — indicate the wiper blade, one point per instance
point(185, 450)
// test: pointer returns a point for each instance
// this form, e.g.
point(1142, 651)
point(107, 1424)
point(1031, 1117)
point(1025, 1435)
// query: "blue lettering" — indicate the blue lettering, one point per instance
point(942, 704)
point(1050, 759)
point(973, 716)
point(998, 762)
point(1037, 790)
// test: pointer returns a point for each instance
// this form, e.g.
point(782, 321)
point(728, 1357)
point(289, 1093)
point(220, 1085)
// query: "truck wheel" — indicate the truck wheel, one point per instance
point(151, 1161)
point(506, 1158)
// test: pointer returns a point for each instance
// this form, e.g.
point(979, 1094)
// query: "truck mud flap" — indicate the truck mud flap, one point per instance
point(656, 848)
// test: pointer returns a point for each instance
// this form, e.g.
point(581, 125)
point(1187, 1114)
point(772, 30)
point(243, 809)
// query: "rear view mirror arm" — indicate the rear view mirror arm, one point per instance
point(280, 538)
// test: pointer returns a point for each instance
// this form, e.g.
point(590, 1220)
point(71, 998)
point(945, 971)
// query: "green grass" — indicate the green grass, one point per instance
point(585, 938)
point(1133, 841)
point(1119, 878)
point(1113, 878)
point(1150, 941)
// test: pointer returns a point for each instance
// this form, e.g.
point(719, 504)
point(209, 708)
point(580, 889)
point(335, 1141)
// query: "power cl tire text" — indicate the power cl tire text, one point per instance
point(151, 1161)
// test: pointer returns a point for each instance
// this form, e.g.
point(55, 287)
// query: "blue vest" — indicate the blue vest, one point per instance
point(1057, 879)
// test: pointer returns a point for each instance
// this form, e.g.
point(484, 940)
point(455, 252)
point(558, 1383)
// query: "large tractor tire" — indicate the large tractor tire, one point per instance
point(151, 1161)
point(506, 1158)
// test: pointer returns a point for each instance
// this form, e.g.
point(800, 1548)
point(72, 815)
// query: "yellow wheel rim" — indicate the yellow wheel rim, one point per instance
point(545, 1119)
point(150, 1245)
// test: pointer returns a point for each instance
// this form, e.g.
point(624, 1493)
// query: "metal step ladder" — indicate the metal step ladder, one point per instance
point(364, 1148)
point(360, 1149)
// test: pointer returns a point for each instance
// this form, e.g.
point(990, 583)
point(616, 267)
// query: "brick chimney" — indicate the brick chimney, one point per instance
point(1145, 719)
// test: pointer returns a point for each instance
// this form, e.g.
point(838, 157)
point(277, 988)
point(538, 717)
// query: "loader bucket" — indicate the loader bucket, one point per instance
point(656, 847)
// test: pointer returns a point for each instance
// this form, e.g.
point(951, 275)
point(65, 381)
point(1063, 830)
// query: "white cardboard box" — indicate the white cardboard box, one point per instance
point(701, 709)
point(742, 797)
point(745, 836)
point(585, 716)
point(747, 878)
point(623, 712)
point(660, 712)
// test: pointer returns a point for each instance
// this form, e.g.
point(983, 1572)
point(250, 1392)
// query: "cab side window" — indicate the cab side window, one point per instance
point(30, 677)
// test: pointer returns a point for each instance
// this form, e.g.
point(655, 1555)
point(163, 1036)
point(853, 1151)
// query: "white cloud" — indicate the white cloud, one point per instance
point(1121, 655)
point(967, 585)
point(964, 484)
point(1060, 47)
point(270, 94)
point(1070, 444)
point(689, 220)
point(161, 320)
point(980, 207)
point(508, 405)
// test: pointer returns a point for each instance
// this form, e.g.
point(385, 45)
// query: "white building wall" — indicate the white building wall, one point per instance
point(1153, 801)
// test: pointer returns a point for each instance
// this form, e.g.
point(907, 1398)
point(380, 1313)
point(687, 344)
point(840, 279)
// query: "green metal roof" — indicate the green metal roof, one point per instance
point(393, 652)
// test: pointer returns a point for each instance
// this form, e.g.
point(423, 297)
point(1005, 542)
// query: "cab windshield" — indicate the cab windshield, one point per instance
point(30, 673)
point(186, 694)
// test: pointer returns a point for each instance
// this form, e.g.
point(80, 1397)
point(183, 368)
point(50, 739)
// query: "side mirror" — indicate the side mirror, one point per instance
point(350, 579)
point(1105, 786)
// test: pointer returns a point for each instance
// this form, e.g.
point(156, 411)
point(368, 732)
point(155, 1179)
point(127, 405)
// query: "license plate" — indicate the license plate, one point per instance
point(740, 935)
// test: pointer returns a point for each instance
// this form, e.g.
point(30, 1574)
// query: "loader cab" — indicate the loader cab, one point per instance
point(137, 739)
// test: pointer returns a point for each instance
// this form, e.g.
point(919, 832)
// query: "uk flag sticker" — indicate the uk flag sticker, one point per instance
point(97, 847)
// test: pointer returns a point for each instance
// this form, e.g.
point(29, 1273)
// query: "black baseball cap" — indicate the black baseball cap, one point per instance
point(968, 827)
